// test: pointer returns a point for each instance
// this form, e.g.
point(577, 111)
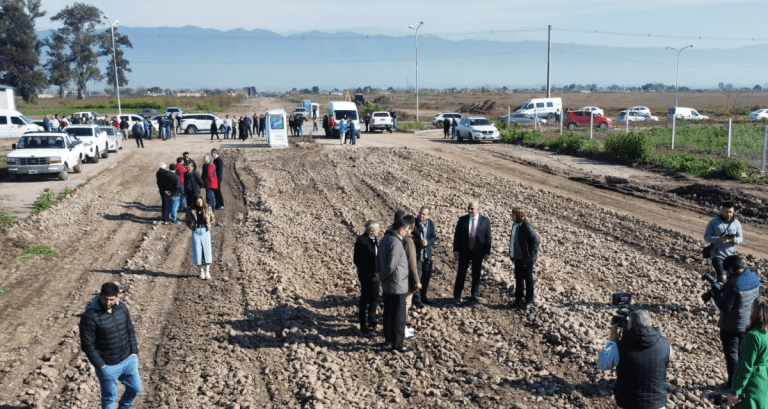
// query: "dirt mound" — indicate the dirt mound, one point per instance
point(382, 100)
point(486, 107)
point(713, 196)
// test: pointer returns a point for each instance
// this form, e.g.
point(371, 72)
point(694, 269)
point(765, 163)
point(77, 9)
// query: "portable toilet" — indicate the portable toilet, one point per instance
point(275, 130)
point(315, 111)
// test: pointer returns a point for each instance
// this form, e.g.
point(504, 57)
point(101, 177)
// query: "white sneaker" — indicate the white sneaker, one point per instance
point(410, 333)
point(202, 275)
point(207, 275)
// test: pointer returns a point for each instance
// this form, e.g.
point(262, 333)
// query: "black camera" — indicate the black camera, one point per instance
point(713, 286)
point(621, 300)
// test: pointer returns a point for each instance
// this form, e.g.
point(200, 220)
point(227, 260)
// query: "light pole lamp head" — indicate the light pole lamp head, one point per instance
point(116, 22)
point(106, 17)
point(411, 27)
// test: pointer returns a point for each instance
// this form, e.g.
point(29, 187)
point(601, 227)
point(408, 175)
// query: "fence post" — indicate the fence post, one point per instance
point(765, 148)
point(626, 118)
point(591, 123)
point(674, 117)
point(728, 154)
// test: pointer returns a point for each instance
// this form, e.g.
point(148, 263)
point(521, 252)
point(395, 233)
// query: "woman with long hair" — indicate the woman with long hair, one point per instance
point(200, 220)
point(749, 388)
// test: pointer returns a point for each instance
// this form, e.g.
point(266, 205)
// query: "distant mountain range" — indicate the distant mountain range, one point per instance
point(193, 57)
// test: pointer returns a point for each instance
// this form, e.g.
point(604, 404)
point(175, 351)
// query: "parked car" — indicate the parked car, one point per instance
point(476, 129)
point(192, 123)
point(595, 110)
point(95, 141)
point(381, 120)
point(635, 116)
point(640, 109)
point(685, 113)
point(88, 115)
point(522, 119)
point(301, 111)
point(172, 110)
point(13, 124)
point(583, 118)
point(148, 112)
point(40, 153)
point(437, 120)
point(758, 115)
point(132, 118)
point(114, 136)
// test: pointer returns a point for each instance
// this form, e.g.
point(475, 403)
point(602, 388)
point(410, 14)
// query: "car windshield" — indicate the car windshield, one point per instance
point(479, 121)
point(381, 114)
point(79, 131)
point(25, 119)
point(41, 142)
point(345, 114)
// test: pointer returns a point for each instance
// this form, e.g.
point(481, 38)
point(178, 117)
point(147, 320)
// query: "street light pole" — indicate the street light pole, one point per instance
point(678, 69)
point(674, 115)
point(417, 67)
point(114, 59)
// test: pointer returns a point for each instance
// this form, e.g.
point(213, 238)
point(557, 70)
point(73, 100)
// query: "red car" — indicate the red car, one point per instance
point(581, 118)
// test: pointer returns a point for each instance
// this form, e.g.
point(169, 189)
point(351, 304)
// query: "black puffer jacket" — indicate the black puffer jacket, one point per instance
point(107, 339)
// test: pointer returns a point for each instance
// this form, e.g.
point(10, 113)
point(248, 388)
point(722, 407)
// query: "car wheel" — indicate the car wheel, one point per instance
point(63, 174)
point(603, 125)
point(551, 116)
point(571, 126)
point(191, 129)
point(95, 158)
point(221, 129)
point(105, 154)
point(79, 167)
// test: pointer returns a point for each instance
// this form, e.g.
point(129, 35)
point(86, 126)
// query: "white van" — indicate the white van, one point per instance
point(342, 110)
point(685, 113)
point(542, 107)
point(13, 124)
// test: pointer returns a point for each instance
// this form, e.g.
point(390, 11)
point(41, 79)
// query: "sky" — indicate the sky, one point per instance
point(645, 23)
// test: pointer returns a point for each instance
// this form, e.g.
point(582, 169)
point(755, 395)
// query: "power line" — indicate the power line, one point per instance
point(444, 57)
point(661, 63)
point(646, 35)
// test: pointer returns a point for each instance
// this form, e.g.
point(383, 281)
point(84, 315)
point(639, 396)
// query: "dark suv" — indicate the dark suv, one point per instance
point(148, 112)
point(581, 118)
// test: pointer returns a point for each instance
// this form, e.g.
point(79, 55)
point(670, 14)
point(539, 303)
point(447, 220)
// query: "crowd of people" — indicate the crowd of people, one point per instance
point(396, 271)
point(180, 186)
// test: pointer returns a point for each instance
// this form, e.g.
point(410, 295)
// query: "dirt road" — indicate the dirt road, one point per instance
point(276, 326)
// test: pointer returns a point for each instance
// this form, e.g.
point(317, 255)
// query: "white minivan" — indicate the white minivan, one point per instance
point(542, 107)
point(13, 124)
point(685, 113)
point(342, 110)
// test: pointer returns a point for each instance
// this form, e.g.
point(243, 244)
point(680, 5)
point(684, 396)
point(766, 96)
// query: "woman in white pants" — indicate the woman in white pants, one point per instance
point(200, 220)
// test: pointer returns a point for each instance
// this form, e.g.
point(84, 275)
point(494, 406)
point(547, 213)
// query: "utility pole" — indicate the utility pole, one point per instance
point(549, 57)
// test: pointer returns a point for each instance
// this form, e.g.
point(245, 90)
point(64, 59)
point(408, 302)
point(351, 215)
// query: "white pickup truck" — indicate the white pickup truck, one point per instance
point(381, 120)
point(39, 153)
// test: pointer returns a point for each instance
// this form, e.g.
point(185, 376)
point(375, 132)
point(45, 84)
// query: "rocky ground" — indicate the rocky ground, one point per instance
point(276, 326)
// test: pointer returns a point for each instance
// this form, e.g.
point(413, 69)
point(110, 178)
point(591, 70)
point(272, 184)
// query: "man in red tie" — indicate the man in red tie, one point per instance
point(471, 244)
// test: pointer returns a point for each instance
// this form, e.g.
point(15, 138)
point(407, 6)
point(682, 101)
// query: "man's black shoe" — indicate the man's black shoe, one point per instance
point(403, 349)
point(526, 306)
point(456, 301)
point(418, 305)
point(475, 298)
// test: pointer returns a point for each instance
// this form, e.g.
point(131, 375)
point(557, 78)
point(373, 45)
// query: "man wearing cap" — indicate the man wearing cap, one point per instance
point(162, 177)
point(108, 339)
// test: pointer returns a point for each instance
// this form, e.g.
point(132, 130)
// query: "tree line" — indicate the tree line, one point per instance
point(72, 51)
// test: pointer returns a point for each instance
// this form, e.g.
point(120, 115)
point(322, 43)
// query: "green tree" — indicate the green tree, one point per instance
point(19, 47)
point(58, 66)
point(122, 64)
point(79, 34)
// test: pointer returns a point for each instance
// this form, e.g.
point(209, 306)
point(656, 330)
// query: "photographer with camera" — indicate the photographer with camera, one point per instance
point(723, 233)
point(734, 301)
point(640, 355)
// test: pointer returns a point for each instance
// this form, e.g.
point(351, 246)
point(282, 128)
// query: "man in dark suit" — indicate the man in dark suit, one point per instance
point(365, 261)
point(424, 237)
point(471, 243)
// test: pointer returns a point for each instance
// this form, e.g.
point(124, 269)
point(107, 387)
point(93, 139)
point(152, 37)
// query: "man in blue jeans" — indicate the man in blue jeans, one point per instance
point(109, 341)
